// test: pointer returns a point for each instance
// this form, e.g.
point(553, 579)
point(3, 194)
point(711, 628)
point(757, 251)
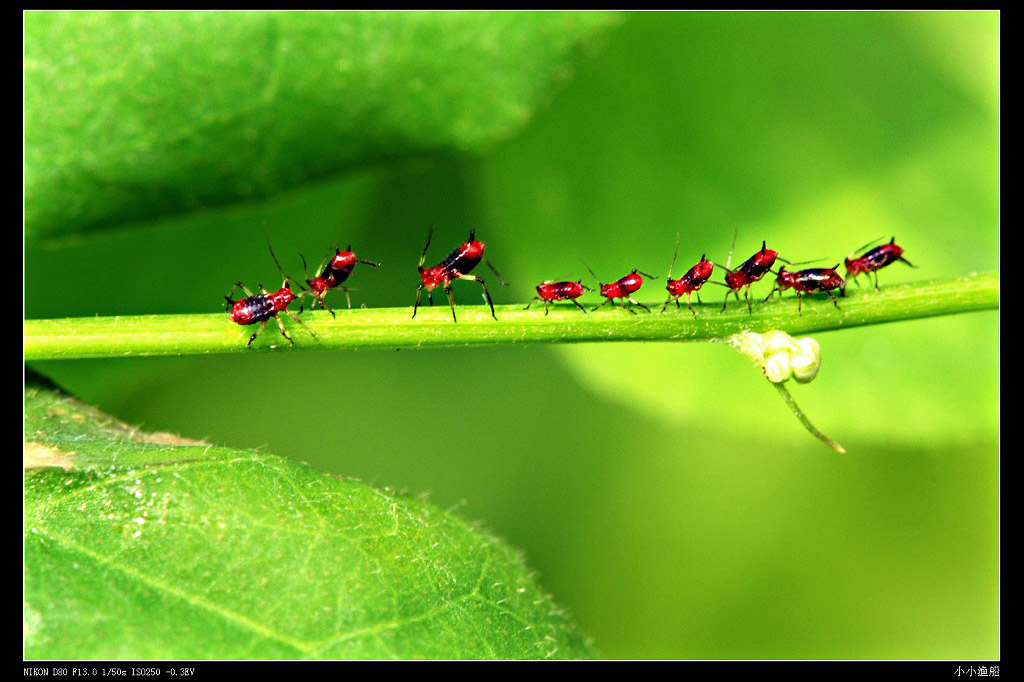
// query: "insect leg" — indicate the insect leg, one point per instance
point(487, 294)
point(280, 323)
point(451, 299)
point(496, 273)
point(232, 293)
point(631, 300)
point(301, 324)
point(256, 333)
point(323, 304)
point(419, 291)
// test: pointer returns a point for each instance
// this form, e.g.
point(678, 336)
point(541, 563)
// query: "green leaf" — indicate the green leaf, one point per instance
point(147, 546)
point(134, 115)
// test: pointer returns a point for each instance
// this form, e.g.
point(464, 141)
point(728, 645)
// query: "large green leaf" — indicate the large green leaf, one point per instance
point(150, 546)
point(132, 115)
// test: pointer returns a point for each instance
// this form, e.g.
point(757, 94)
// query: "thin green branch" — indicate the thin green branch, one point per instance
point(95, 337)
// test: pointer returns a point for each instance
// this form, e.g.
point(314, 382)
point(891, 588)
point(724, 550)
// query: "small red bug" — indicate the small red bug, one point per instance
point(689, 283)
point(265, 305)
point(457, 265)
point(810, 281)
point(550, 291)
point(331, 273)
point(874, 260)
point(752, 270)
point(622, 288)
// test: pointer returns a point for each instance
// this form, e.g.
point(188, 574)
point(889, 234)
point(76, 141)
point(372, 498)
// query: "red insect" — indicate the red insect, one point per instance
point(332, 272)
point(457, 265)
point(689, 283)
point(622, 288)
point(550, 291)
point(752, 270)
point(810, 281)
point(265, 305)
point(874, 260)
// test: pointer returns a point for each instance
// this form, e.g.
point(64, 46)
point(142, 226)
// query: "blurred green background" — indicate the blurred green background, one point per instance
point(663, 493)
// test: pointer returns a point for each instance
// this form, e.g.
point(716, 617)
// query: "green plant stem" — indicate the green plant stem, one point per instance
point(96, 337)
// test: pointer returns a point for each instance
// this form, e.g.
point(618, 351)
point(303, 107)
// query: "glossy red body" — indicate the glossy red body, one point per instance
point(622, 288)
point(261, 307)
point(457, 265)
point(752, 270)
point(689, 283)
point(334, 272)
point(460, 262)
point(692, 281)
point(551, 291)
point(810, 281)
point(560, 291)
point(874, 260)
point(736, 280)
point(341, 265)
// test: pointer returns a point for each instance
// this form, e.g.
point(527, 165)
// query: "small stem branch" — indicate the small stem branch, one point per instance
point(788, 399)
point(95, 337)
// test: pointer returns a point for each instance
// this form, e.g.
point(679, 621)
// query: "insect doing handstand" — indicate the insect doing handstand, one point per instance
point(330, 275)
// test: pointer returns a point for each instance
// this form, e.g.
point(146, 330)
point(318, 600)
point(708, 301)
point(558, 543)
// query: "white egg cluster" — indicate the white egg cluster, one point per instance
point(779, 355)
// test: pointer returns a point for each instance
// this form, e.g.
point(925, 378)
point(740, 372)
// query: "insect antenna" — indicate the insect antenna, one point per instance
point(803, 262)
point(287, 277)
point(497, 273)
point(360, 260)
point(732, 247)
point(870, 243)
point(728, 261)
point(423, 256)
point(674, 255)
point(599, 283)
